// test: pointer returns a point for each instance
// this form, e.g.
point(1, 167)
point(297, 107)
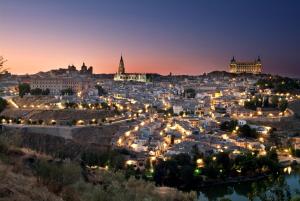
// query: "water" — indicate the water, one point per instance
point(281, 187)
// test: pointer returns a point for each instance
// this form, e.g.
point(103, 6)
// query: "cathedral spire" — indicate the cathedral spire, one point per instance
point(258, 59)
point(233, 59)
point(121, 66)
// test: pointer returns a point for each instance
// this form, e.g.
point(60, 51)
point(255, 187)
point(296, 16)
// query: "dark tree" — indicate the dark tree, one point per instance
point(36, 91)
point(68, 91)
point(246, 131)
point(24, 88)
point(190, 93)
point(101, 91)
point(3, 104)
point(282, 105)
point(46, 92)
point(228, 125)
point(2, 61)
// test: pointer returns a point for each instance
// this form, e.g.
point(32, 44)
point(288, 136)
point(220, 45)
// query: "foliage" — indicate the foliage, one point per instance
point(182, 172)
point(251, 105)
point(266, 102)
point(247, 131)
point(38, 91)
point(113, 159)
point(279, 84)
point(66, 179)
point(2, 61)
point(101, 91)
point(296, 152)
point(71, 105)
point(190, 93)
point(57, 175)
point(229, 125)
point(116, 187)
point(282, 105)
point(68, 91)
point(104, 105)
point(3, 104)
point(295, 198)
point(24, 88)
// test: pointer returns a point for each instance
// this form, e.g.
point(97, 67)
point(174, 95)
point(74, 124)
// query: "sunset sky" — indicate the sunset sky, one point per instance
point(162, 36)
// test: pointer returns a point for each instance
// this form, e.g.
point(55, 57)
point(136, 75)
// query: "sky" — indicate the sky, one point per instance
point(154, 36)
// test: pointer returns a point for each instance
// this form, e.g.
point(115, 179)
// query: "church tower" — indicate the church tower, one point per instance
point(121, 66)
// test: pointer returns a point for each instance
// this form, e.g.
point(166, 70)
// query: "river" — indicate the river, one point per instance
point(281, 187)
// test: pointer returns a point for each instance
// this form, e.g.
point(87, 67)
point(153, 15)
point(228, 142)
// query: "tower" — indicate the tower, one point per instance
point(83, 68)
point(233, 65)
point(121, 66)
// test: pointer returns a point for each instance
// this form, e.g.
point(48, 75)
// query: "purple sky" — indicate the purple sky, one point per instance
point(183, 37)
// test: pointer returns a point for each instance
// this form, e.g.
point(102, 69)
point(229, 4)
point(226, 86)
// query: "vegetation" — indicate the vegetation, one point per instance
point(38, 91)
point(2, 61)
point(295, 198)
point(68, 92)
point(279, 84)
point(70, 105)
point(190, 93)
point(70, 181)
point(247, 131)
point(116, 187)
point(183, 172)
point(112, 159)
point(295, 152)
point(266, 102)
point(24, 88)
point(101, 91)
point(229, 125)
point(56, 176)
point(3, 104)
point(73, 105)
point(282, 106)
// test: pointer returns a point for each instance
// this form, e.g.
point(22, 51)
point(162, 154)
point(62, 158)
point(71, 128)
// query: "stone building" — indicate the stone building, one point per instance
point(121, 75)
point(254, 67)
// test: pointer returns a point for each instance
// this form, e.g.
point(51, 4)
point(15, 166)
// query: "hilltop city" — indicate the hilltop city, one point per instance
point(175, 130)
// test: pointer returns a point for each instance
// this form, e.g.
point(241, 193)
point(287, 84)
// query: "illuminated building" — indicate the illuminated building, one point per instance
point(121, 75)
point(57, 84)
point(254, 67)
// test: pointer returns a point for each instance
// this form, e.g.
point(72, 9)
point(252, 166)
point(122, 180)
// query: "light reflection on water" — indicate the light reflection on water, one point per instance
point(282, 187)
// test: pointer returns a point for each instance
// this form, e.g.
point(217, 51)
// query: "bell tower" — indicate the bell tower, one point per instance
point(121, 69)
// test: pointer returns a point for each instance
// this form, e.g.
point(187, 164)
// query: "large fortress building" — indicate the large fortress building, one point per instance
point(121, 75)
point(254, 67)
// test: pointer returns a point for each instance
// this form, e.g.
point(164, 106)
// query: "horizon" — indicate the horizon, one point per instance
point(154, 37)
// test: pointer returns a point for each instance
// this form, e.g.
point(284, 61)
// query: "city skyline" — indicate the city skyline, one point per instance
point(154, 37)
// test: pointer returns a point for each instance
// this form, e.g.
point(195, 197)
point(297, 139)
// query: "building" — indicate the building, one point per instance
point(60, 79)
point(254, 67)
point(121, 75)
point(57, 84)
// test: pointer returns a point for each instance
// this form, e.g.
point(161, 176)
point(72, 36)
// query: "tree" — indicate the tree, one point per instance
point(36, 91)
point(101, 91)
point(282, 105)
point(46, 92)
point(24, 88)
point(68, 91)
point(229, 125)
point(246, 131)
point(274, 101)
point(190, 93)
point(104, 105)
point(250, 105)
point(2, 61)
point(3, 104)
point(295, 198)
